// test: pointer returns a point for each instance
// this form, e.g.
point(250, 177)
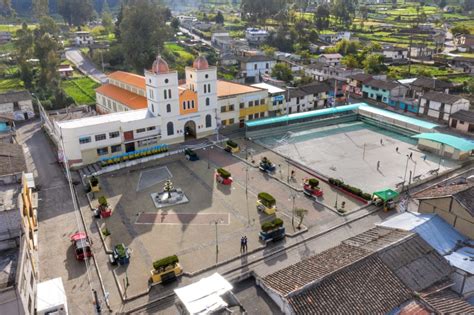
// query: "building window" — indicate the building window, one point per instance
point(208, 121)
point(206, 76)
point(100, 137)
point(192, 103)
point(150, 128)
point(209, 88)
point(170, 128)
point(267, 66)
point(242, 105)
point(262, 114)
point(103, 151)
point(223, 109)
point(140, 130)
point(184, 105)
point(262, 101)
point(250, 117)
point(83, 140)
point(152, 108)
point(255, 66)
point(116, 148)
point(208, 101)
point(164, 94)
point(114, 134)
point(205, 88)
point(231, 107)
point(231, 121)
point(168, 108)
point(166, 81)
point(257, 102)
point(250, 103)
point(255, 116)
point(169, 93)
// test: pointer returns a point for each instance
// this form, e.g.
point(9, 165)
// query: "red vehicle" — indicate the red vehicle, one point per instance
point(102, 212)
point(82, 246)
point(310, 187)
point(223, 177)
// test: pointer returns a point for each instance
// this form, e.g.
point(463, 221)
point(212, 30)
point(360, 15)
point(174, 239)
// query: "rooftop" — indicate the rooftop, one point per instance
point(129, 78)
point(441, 97)
point(126, 116)
point(8, 266)
point(381, 84)
point(466, 199)
point(256, 58)
point(331, 56)
point(453, 141)
point(227, 88)
point(271, 88)
point(441, 191)
point(363, 77)
point(433, 84)
point(15, 96)
point(448, 302)
point(125, 97)
point(9, 197)
point(12, 159)
point(464, 115)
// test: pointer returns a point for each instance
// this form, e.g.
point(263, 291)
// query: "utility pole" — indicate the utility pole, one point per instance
point(247, 192)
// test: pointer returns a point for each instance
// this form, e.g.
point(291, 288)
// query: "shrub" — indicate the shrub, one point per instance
point(232, 144)
point(94, 181)
point(366, 196)
point(103, 201)
point(313, 182)
point(224, 173)
point(274, 224)
point(105, 232)
point(164, 262)
point(267, 198)
point(120, 249)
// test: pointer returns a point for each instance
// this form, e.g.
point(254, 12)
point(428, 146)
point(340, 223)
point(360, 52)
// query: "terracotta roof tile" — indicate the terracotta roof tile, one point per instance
point(448, 302)
point(226, 88)
point(414, 307)
point(131, 100)
point(441, 191)
point(129, 78)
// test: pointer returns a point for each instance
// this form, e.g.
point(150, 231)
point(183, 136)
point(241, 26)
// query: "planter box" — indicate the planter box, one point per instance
point(168, 274)
point(95, 188)
point(273, 235)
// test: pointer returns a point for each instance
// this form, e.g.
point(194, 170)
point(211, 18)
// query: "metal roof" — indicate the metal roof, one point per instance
point(462, 259)
point(400, 117)
point(453, 141)
point(387, 194)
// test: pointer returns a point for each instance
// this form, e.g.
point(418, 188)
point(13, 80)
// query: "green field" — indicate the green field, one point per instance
point(400, 72)
point(7, 48)
point(82, 90)
point(10, 84)
point(175, 48)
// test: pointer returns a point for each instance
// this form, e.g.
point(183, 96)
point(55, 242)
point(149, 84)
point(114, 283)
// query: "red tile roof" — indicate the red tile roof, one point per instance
point(127, 98)
point(128, 78)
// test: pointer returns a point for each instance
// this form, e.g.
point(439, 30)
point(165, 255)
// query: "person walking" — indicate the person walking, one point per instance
point(396, 149)
point(411, 155)
point(242, 246)
point(245, 243)
point(292, 177)
point(378, 165)
point(381, 141)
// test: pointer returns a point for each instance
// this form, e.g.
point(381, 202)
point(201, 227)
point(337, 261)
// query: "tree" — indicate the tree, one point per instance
point(75, 12)
point(107, 21)
point(373, 63)
point(321, 17)
point(219, 19)
point(118, 22)
point(6, 8)
point(394, 4)
point(175, 24)
point(46, 49)
point(142, 32)
point(268, 50)
point(259, 11)
point(350, 62)
point(24, 52)
point(40, 8)
point(282, 71)
point(300, 213)
point(468, 5)
point(344, 11)
point(460, 29)
point(345, 47)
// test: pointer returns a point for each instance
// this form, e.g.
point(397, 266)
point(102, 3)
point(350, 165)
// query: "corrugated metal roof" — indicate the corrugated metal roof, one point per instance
point(400, 117)
point(463, 259)
point(453, 141)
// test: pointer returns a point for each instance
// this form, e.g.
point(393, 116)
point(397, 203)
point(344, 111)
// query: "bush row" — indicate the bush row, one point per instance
point(274, 224)
point(167, 261)
point(354, 190)
point(232, 144)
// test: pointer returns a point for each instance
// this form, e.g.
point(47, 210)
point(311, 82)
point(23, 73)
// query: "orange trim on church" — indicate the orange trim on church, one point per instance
point(188, 102)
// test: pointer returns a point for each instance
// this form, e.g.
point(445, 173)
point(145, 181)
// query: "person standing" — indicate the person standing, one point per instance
point(378, 165)
point(245, 243)
point(242, 246)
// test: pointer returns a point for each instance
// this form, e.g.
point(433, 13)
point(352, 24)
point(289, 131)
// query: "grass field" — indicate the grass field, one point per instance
point(10, 84)
point(175, 48)
point(82, 90)
point(6, 48)
point(400, 72)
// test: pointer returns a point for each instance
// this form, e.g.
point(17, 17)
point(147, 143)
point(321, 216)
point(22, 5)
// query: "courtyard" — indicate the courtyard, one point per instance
point(351, 151)
point(206, 230)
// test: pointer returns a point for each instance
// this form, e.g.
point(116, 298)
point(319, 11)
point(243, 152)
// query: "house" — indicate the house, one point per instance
point(65, 71)
point(462, 120)
point(12, 163)
point(453, 246)
point(256, 36)
point(83, 38)
point(355, 82)
point(252, 67)
point(465, 42)
point(420, 51)
point(369, 273)
point(424, 84)
point(393, 54)
point(441, 106)
point(228, 59)
point(465, 64)
point(221, 40)
point(19, 104)
point(445, 145)
point(321, 72)
point(307, 97)
point(333, 38)
point(276, 99)
point(5, 37)
point(19, 267)
point(454, 203)
point(330, 59)
point(382, 91)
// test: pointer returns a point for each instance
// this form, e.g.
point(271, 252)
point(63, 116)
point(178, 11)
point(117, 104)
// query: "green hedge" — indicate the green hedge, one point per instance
point(354, 190)
point(103, 201)
point(121, 250)
point(164, 262)
point(313, 182)
point(94, 181)
point(224, 173)
point(275, 223)
point(232, 144)
point(266, 197)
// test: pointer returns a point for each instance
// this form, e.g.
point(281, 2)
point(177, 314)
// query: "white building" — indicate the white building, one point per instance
point(307, 97)
point(255, 35)
point(441, 106)
point(330, 59)
point(276, 99)
point(335, 37)
point(253, 67)
point(83, 38)
point(221, 40)
point(17, 104)
point(321, 72)
point(395, 53)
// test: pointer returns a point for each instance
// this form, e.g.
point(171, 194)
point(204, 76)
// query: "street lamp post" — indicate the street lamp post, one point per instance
point(247, 192)
point(216, 222)
point(405, 176)
point(293, 197)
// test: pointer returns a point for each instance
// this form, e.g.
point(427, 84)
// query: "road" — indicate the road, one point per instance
point(57, 221)
point(197, 37)
point(85, 65)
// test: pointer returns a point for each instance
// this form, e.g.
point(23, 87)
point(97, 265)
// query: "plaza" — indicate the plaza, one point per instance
point(351, 151)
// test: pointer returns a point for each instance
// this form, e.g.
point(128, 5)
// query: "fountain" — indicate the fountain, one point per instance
point(169, 196)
